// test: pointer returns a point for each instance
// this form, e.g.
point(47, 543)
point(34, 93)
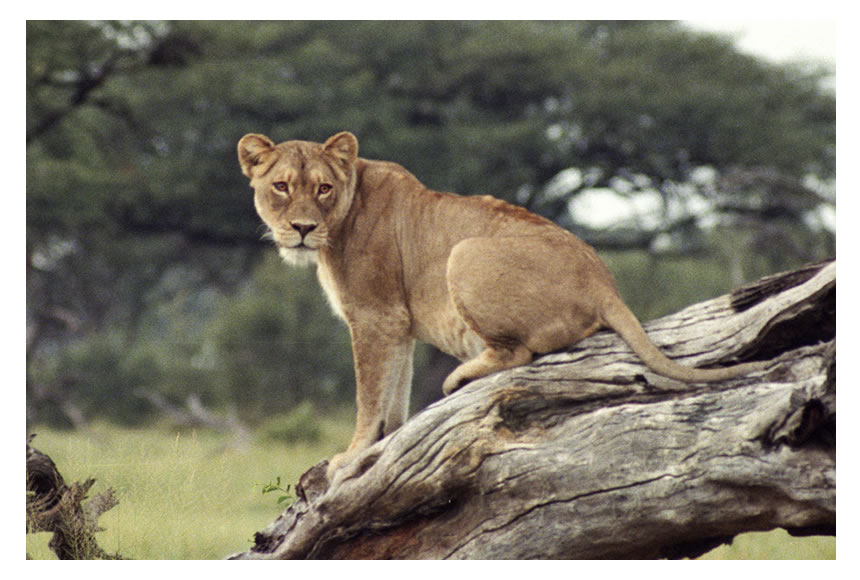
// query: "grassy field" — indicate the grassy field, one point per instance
point(182, 494)
point(188, 495)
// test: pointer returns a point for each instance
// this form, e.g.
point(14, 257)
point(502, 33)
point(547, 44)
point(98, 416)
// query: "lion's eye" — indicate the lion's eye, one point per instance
point(324, 188)
point(281, 186)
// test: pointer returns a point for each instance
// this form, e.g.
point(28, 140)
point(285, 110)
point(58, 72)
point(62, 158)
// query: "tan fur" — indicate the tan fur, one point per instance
point(483, 280)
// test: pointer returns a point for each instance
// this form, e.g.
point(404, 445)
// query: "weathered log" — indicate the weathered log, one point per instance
point(587, 454)
point(54, 506)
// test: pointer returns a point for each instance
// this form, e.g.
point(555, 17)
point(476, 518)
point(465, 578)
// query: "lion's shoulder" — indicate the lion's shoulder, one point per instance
point(385, 175)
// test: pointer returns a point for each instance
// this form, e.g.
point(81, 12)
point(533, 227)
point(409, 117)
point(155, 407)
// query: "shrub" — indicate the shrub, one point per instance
point(302, 424)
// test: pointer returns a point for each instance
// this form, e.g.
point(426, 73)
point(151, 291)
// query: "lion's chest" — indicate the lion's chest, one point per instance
point(330, 290)
point(434, 321)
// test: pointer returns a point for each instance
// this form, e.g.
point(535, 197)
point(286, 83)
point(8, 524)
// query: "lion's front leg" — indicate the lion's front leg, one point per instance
point(383, 373)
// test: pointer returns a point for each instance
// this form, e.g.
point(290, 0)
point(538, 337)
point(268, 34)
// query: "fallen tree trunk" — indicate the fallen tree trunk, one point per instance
point(587, 454)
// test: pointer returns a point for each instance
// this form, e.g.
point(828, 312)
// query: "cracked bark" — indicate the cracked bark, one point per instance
point(587, 454)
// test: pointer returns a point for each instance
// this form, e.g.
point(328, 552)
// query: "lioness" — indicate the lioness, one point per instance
point(481, 279)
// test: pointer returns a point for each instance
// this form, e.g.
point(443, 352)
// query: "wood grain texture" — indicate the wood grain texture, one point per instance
point(587, 454)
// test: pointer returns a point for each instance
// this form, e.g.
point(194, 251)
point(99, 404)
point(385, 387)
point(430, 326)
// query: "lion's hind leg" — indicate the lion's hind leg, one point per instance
point(491, 360)
point(484, 304)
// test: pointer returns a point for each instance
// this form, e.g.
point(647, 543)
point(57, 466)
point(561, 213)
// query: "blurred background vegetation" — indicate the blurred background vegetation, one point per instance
point(690, 166)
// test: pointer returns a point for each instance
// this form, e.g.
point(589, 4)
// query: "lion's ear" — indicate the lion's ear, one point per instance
point(344, 146)
point(253, 151)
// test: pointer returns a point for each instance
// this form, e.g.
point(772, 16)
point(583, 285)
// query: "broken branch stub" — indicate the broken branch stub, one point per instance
point(54, 506)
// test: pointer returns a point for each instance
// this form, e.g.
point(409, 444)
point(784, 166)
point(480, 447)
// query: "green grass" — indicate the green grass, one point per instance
point(188, 495)
point(775, 545)
point(182, 494)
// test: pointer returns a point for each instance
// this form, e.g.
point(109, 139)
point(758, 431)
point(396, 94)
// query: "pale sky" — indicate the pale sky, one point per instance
point(779, 40)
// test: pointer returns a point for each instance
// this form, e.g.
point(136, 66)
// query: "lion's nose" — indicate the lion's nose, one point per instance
point(303, 229)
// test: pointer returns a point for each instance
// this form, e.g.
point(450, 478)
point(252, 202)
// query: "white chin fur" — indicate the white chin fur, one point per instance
point(298, 256)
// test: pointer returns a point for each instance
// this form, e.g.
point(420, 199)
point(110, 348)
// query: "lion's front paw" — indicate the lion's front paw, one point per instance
point(350, 464)
point(336, 463)
point(339, 463)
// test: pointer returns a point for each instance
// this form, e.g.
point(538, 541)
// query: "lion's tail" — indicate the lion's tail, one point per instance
point(618, 316)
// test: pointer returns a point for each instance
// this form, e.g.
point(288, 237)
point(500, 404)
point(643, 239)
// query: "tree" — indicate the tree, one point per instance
point(137, 214)
point(587, 454)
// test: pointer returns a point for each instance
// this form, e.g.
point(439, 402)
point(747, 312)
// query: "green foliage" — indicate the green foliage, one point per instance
point(101, 375)
point(276, 343)
point(285, 499)
point(264, 349)
point(464, 105)
point(300, 424)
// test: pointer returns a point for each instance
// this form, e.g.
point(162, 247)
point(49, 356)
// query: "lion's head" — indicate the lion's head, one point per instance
point(302, 190)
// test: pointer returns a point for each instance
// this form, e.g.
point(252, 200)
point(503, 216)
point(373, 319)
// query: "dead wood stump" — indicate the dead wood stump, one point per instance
point(54, 506)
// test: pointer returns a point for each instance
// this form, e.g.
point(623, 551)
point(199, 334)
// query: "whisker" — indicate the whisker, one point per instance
point(267, 234)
